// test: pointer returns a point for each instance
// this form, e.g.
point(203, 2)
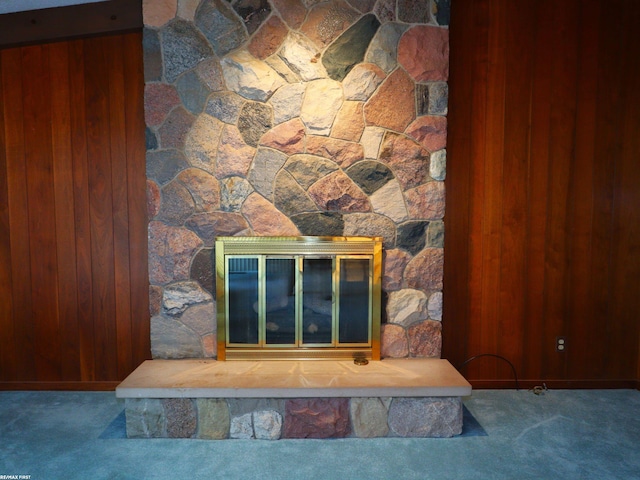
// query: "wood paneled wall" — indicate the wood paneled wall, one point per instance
point(543, 192)
point(73, 246)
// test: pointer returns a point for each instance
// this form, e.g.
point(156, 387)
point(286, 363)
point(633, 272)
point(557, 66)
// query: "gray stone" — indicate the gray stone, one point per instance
point(200, 318)
point(308, 169)
point(350, 47)
point(301, 56)
point(282, 69)
point(407, 306)
point(181, 417)
point(443, 11)
point(144, 418)
point(383, 50)
point(389, 201)
point(201, 145)
point(233, 193)
point(202, 270)
point(177, 204)
point(193, 92)
point(321, 223)
point(266, 165)
point(362, 81)
point(164, 165)
point(240, 406)
point(254, 121)
point(371, 224)
point(435, 234)
point(177, 297)
point(321, 105)
point(414, 11)
point(426, 417)
point(172, 339)
point(213, 418)
point(289, 196)
point(242, 427)
point(152, 55)
point(210, 72)
point(432, 98)
point(173, 131)
point(249, 77)
point(412, 236)
point(368, 417)
point(370, 175)
point(183, 47)
point(220, 25)
point(434, 306)
point(287, 102)
point(225, 106)
point(438, 165)
point(150, 139)
point(267, 425)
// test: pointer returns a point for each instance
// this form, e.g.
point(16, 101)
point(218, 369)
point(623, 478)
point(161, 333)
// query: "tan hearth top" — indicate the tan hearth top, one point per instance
point(202, 378)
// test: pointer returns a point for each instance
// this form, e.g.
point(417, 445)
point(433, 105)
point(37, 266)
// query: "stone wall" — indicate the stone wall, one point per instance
point(295, 117)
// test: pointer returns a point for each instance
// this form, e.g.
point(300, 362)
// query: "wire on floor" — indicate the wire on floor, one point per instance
point(513, 369)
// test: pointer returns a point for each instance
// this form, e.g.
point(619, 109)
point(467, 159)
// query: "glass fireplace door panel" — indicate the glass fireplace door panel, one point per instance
point(317, 302)
point(354, 300)
point(243, 305)
point(280, 326)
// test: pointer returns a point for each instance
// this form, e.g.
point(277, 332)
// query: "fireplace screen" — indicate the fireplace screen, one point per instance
point(298, 297)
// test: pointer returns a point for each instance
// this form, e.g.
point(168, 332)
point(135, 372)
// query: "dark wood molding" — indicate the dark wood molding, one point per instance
point(63, 23)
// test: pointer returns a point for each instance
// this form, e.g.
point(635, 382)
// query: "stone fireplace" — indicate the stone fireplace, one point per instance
point(295, 118)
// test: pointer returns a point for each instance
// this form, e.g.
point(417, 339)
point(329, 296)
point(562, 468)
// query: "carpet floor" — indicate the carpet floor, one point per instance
point(561, 434)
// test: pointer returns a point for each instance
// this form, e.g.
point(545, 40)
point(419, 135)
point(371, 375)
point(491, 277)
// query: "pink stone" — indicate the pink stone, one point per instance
point(424, 272)
point(234, 155)
point(154, 199)
point(342, 152)
point(158, 12)
point(408, 160)
point(203, 187)
point(175, 128)
point(385, 10)
point(265, 219)
point(337, 192)
point(170, 252)
point(268, 38)
point(316, 418)
point(426, 202)
point(395, 261)
point(288, 137)
point(430, 131)
point(159, 100)
point(424, 53)
point(349, 123)
point(393, 105)
point(210, 345)
point(325, 22)
point(425, 339)
point(393, 341)
point(291, 11)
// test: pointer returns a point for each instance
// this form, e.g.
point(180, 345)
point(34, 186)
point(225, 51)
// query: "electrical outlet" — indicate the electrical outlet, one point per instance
point(561, 344)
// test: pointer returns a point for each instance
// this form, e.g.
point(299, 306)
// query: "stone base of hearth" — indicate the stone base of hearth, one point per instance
point(293, 399)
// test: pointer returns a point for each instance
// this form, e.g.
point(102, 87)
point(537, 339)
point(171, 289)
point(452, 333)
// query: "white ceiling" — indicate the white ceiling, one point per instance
point(10, 6)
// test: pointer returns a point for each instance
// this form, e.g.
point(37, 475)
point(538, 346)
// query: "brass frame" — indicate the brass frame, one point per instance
point(294, 247)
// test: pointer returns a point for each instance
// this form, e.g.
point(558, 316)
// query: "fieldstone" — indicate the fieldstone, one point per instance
point(439, 417)
point(287, 102)
point(426, 201)
point(423, 51)
point(412, 236)
point(395, 261)
point(363, 6)
point(432, 98)
point(268, 38)
point(158, 12)
point(442, 11)
point(212, 224)
point(435, 234)
point(233, 193)
point(174, 130)
point(209, 345)
point(200, 318)
point(289, 197)
point(350, 47)
point(349, 123)
point(252, 12)
point(267, 425)
point(368, 417)
point(213, 418)
point(220, 25)
point(393, 341)
point(153, 199)
point(342, 152)
point(181, 417)
point(225, 106)
point(249, 77)
point(425, 339)
point(254, 121)
point(293, 12)
point(325, 22)
point(241, 406)
point(300, 55)
point(288, 137)
point(383, 50)
point(362, 81)
point(177, 204)
point(438, 165)
point(266, 164)
point(187, 9)
point(435, 306)
point(144, 418)
point(392, 106)
point(183, 47)
point(424, 271)
point(202, 271)
point(320, 105)
point(321, 223)
point(370, 140)
point(385, 10)
point(371, 224)
point(370, 175)
point(171, 339)
point(201, 145)
point(408, 160)
point(265, 219)
point(155, 299)
point(150, 139)
point(177, 297)
point(203, 187)
point(234, 155)
point(193, 92)
point(210, 72)
point(152, 55)
point(389, 201)
point(281, 67)
point(241, 427)
point(308, 169)
point(430, 131)
point(414, 11)
point(337, 192)
point(317, 418)
point(407, 306)
point(170, 252)
point(159, 100)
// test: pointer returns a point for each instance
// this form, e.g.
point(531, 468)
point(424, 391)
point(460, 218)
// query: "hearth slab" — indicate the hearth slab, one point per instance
point(204, 378)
